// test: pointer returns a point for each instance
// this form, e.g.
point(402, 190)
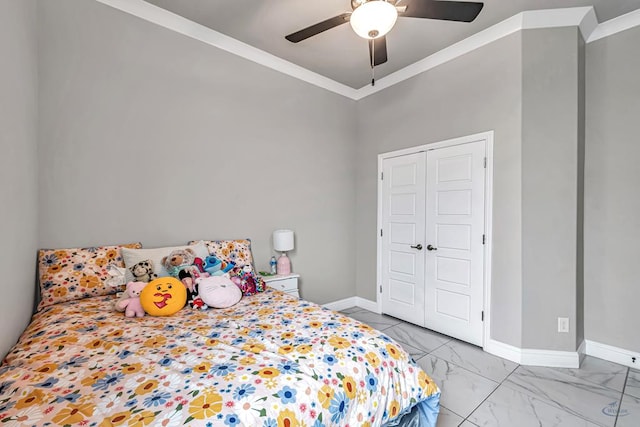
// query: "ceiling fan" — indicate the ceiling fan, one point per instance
point(373, 19)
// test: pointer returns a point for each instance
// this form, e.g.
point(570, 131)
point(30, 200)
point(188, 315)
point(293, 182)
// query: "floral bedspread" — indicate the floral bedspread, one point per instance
point(271, 360)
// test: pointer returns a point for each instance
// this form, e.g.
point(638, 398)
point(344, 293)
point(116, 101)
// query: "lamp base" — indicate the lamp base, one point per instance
point(283, 267)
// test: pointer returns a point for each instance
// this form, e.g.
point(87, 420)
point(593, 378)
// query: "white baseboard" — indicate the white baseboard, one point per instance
point(550, 358)
point(582, 351)
point(612, 354)
point(533, 357)
point(367, 304)
point(341, 304)
point(352, 302)
point(583, 347)
point(503, 350)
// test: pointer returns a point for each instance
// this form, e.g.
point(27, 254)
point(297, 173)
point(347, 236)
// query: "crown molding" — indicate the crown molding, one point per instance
point(547, 18)
point(615, 25)
point(582, 17)
point(181, 25)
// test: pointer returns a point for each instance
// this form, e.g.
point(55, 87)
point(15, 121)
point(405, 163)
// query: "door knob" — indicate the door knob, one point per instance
point(431, 248)
point(418, 247)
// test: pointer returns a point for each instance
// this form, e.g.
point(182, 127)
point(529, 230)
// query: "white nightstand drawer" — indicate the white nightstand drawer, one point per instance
point(288, 284)
point(285, 285)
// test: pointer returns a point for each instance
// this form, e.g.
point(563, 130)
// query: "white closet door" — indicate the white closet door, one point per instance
point(454, 241)
point(403, 228)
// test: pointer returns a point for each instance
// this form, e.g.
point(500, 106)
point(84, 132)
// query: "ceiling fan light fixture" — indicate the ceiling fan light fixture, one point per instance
point(373, 19)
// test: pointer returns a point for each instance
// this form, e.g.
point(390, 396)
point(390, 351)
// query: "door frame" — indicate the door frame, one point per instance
point(487, 137)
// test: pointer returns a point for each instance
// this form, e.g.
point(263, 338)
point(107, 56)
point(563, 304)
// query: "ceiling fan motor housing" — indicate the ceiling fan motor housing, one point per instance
point(373, 18)
point(356, 3)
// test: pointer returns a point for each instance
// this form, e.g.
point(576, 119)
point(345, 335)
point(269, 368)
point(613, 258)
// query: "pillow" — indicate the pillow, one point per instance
point(237, 251)
point(76, 273)
point(134, 256)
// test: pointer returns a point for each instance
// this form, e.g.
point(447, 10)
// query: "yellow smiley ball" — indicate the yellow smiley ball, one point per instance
point(163, 296)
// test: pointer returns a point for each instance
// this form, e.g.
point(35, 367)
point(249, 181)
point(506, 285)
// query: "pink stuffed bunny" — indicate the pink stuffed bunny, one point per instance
point(131, 306)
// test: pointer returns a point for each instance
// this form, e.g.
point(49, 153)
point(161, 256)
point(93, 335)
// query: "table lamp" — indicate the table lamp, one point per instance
point(283, 242)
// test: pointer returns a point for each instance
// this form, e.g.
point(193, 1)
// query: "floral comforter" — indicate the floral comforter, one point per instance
point(271, 360)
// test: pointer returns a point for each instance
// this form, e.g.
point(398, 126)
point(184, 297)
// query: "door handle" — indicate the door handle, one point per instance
point(418, 247)
point(431, 248)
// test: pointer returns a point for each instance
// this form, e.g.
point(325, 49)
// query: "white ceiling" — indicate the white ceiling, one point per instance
point(339, 53)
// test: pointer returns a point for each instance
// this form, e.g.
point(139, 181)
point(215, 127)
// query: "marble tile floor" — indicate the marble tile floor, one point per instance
point(479, 389)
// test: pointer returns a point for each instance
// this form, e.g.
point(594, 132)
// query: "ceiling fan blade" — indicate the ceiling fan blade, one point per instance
point(446, 10)
point(318, 28)
point(378, 48)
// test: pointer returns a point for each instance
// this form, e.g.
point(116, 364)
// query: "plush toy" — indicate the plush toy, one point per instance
point(163, 296)
point(217, 267)
point(193, 295)
point(246, 279)
point(218, 291)
point(115, 276)
point(143, 271)
point(199, 263)
point(179, 264)
point(178, 260)
point(131, 305)
point(212, 265)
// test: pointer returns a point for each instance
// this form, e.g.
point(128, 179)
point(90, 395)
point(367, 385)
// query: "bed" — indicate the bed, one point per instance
point(270, 360)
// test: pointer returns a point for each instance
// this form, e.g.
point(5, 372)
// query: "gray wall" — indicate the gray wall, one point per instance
point(477, 92)
point(612, 201)
point(550, 133)
point(147, 135)
point(18, 166)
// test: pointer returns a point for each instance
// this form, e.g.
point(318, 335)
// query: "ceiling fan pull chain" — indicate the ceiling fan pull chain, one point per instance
point(373, 62)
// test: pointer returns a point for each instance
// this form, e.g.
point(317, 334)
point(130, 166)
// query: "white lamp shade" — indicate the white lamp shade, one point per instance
point(373, 19)
point(283, 240)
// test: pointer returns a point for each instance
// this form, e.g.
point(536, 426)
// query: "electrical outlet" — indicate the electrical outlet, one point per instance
point(563, 324)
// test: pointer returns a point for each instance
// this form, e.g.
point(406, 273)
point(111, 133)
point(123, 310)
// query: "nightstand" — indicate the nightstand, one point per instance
point(288, 283)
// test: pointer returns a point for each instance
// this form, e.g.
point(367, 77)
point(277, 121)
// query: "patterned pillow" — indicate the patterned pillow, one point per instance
point(238, 251)
point(70, 274)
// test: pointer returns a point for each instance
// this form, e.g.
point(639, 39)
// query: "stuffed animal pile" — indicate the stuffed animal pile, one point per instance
point(211, 282)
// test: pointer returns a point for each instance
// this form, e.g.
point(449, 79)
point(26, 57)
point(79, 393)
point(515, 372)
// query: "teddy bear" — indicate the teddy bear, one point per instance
point(143, 271)
point(179, 261)
point(131, 305)
point(181, 264)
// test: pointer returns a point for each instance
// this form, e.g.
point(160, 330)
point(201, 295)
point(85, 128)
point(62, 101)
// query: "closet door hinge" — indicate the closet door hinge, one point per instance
point(483, 315)
point(380, 288)
point(484, 239)
point(381, 232)
point(485, 162)
point(381, 175)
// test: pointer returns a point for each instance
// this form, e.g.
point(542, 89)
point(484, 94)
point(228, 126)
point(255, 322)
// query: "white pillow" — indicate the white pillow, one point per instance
point(133, 256)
